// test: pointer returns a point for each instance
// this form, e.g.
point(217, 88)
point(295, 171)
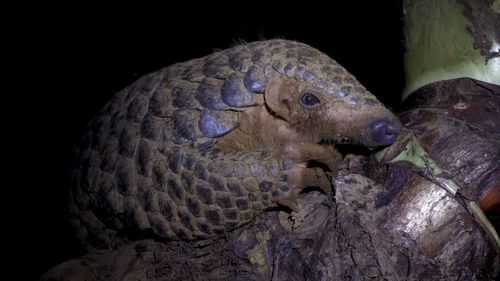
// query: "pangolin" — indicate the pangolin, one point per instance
point(201, 147)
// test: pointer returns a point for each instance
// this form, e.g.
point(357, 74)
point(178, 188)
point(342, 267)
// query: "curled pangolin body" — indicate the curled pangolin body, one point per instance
point(147, 163)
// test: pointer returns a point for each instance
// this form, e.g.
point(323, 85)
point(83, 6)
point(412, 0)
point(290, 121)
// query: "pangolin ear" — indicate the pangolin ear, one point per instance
point(279, 95)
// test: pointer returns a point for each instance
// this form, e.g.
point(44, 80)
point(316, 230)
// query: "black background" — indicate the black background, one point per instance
point(63, 65)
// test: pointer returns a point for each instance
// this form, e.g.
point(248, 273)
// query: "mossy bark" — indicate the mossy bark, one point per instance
point(451, 105)
point(448, 39)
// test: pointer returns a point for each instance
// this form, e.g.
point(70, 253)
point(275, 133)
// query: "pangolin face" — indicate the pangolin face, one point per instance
point(345, 114)
point(327, 102)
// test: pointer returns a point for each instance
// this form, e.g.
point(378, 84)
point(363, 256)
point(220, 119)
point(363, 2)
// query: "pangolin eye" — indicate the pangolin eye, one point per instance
point(309, 100)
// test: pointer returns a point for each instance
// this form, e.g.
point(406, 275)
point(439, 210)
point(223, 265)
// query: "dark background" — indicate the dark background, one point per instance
point(64, 65)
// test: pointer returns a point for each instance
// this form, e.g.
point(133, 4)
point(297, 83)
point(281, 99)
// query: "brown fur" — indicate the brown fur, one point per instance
point(275, 123)
point(257, 130)
point(280, 122)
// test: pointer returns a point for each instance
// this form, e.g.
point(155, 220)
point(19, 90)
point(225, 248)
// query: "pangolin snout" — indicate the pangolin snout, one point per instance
point(384, 132)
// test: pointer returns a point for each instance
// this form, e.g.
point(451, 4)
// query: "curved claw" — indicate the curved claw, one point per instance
point(299, 178)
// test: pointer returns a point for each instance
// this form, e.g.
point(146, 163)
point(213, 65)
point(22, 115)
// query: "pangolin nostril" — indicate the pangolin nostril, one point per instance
point(394, 128)
point(384, 133)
